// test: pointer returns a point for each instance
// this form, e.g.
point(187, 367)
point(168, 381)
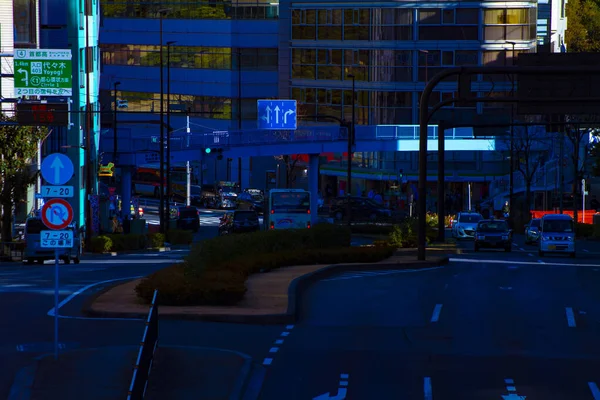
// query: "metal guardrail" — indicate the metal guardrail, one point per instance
point(11, 251)
point(143, 363)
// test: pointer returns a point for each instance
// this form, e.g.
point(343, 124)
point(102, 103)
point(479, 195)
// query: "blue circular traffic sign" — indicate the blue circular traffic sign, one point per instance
point(57, 169)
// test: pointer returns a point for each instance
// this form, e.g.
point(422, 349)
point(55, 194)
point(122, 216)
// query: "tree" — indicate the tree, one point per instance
point(18, 146)
point(578, 137)
point(583, 34)
point(290, 162)
point(528, 156)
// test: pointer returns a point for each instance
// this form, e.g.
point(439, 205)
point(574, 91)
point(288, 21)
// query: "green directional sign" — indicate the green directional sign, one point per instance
point(43, 72)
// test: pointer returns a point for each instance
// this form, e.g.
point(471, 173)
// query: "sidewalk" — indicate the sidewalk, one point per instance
point(105, 373)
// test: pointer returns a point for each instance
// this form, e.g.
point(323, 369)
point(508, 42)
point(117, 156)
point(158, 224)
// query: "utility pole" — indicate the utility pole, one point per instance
point(350, 143)
point(88, 140)
point(168, 144)
point(239, 57)
point(161, 211)
point(511, 194)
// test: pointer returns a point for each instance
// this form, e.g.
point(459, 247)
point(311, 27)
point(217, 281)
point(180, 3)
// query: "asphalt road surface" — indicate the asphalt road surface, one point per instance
point(489, 325)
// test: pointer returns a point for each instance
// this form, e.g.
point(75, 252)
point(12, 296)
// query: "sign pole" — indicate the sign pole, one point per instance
point(56, 289)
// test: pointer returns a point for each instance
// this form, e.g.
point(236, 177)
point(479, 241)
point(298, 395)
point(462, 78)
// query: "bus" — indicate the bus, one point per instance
point(146, 181)
point(288, 209)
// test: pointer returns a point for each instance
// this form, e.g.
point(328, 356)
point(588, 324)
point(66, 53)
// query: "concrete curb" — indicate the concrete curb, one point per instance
point(295, 291)
point(136, 252)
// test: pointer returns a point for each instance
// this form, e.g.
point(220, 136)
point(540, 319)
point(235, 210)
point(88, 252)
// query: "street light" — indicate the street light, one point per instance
point(511, 189)
point(161, 212)
point(239, 71)
point(168, 144)
point(350, 140)
point(115, 142)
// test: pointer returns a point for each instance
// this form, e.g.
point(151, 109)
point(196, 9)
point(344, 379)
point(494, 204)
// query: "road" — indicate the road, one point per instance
point(489, 325)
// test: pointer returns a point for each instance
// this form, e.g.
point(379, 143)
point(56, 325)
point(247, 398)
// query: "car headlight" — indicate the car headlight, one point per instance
point(569, 238)
point(545, 238)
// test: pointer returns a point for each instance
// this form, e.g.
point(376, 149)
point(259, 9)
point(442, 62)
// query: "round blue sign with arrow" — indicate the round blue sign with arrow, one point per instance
point(57, 169)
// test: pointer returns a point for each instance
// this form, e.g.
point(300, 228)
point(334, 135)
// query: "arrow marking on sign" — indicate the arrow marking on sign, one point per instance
point(288, 112)
point(267, 117)
point(57, 166)
point(277, 114)
point(26, 79)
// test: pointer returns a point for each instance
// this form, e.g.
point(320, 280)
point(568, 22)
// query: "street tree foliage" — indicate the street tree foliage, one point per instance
point(289, 161)
point(583, 34)
point(18, 148)
point(578, 138)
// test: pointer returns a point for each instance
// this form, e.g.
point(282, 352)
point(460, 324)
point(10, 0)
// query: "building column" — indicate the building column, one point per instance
point(313, 186)
point(245, 174)
point(126, 191)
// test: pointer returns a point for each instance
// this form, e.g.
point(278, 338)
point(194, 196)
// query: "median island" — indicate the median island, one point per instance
point(249, 274)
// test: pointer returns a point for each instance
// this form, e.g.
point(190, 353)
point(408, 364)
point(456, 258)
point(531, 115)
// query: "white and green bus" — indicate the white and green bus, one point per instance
point(288, 209)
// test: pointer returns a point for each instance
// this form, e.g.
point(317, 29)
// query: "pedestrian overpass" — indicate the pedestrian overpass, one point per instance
point(311, 140)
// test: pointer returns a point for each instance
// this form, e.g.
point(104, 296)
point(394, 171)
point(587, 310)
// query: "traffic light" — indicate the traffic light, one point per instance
point(214, 150)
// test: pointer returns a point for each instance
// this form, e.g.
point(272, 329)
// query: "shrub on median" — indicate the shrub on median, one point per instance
point(179, 236)
point(128, 242)
point(226, 285)
point(405, 235)
point(101, 244)
point(584, 230)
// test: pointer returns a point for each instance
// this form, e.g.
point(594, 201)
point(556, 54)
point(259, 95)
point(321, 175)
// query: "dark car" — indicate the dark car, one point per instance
point(361, 208)
point(493, 234)
point(251, 199)
point(239, 221)
point(532, 231)
point(188, 218)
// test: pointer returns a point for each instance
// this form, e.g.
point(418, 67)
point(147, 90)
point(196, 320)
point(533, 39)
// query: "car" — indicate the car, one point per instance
point(361, 208)
point(187, 218)
point(532, 231)
point(464, 225)
point(251, 199)
point(239, 221)
point(493, 234)
point(557, 235)
point(35, 252)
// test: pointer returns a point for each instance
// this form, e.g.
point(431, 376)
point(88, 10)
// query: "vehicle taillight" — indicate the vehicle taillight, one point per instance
point(272, 211)
point(272, 225)
point(308, 211)
point(308, 225)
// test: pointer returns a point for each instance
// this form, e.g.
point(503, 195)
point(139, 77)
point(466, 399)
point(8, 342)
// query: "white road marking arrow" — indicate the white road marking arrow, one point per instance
point(288, 112)
point(26, 79)
point(341, 395)
point(57, 165)
point(276, 109)
point(268, 116)
point(513, 396)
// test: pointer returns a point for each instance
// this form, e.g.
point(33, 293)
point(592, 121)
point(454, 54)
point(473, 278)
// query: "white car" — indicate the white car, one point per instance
point(464, 225)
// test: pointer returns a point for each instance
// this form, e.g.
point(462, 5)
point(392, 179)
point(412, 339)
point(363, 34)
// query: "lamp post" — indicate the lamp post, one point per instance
point(239, 94)
point(168, 144)
point(161, 211)
point(115, 141)
point(350, 142)
point(511, 189)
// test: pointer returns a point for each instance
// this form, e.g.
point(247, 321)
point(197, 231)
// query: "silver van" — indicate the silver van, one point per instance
point(34, 251)
point(557, 235)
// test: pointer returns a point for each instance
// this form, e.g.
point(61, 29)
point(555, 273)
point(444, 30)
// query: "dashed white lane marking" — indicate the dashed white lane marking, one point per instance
point(522, 249)
point(344, 380)
point(278, 343)
point(436, 313)
point(570, 317)
point(512, 391)
point(541, 262)
point(530, 255)
point(427, 392)
point(594, 389)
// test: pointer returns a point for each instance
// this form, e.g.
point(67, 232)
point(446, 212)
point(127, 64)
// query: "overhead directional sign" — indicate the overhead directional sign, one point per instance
point(277, 114)
point(56, 239)
point(57, 214)
point(43, 72)
point(57, 169)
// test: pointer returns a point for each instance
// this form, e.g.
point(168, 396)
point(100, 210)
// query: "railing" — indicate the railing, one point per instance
point(408, 132)
point(143, 363)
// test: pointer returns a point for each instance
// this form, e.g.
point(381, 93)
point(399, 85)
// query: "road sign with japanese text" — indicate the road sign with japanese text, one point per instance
point(56, 239)
point(43, 72)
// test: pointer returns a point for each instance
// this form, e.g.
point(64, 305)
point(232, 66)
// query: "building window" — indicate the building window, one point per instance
point(188, 9)
point(356, 24)
point(304, 24)
point(329, 25)
point(24, 23)
point(304, 63)
point(448, 24)
point(510, 24)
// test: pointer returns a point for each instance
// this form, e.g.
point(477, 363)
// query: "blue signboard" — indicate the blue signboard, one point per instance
point(57, 169)
point(277, 114)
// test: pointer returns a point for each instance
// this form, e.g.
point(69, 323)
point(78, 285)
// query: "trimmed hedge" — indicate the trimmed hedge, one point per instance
point(132, 242)
point(405, 235)
point(584, 230)
point(226, 285)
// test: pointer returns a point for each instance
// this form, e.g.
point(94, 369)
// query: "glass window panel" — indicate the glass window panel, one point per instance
point(432, 58)
point(329, 72)
point(356, 32)
point(430, 16)
point(467, 16)
point(448, 16)
point(517, 16)
point(304, 32)
point(324, 17)
point(311, 17)
point(389, 32)
point(494, 33)
point(447, 58)
point(448, 33)
point(311, 95)
point(466, 57)
point(364, 16)
point(322, 97)
point(336, 17)
point(296, 17)
point(303, 71)
point(329, 33)
point(298, 94)
point(494, 16)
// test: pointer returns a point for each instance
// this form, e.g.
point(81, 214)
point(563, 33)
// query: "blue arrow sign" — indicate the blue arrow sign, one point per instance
point(277, 114)
point(57, 169)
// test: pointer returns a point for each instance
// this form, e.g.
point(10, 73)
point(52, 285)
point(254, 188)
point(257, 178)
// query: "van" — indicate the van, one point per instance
point(34, 252)
point(557, 234)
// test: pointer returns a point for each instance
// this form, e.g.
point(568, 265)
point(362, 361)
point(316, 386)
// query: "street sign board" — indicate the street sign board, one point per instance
point(56, 239)
point(43, 72)
point(57, 191)
point(277, 114)
point(42, 113)
point(57, 169)
point(57, 214)
point(558, 86)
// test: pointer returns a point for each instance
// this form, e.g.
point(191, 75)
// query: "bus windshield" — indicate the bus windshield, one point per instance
point(34, 226)
point(296, 202)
